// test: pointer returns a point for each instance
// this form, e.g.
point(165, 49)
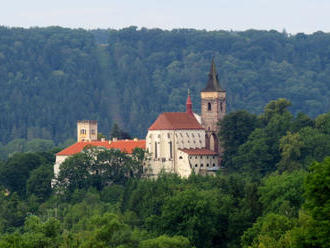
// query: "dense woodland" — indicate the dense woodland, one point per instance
point(52, 77)
point(273, 193)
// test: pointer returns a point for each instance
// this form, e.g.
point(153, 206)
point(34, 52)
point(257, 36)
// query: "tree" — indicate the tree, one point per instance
point(283, 193)
point(96, 167)
point(16, 171)
point(116, 132)
point(191, 213)
point(290, 146)
point(268, 231)
point(166, 242)
point(39, 182)
point(317, 203)
point(235, 129)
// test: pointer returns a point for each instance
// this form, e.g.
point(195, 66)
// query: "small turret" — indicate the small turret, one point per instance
point(189, 104)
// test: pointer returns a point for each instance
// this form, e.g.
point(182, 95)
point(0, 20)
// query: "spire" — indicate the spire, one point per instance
point(213, 82)
point(189, 104)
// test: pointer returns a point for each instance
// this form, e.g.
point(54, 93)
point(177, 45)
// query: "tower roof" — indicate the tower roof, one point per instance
point(213, 84)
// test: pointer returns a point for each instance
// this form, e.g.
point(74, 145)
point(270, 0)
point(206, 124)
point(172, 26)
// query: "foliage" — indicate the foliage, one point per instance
point(129, 76)
point(96, 167)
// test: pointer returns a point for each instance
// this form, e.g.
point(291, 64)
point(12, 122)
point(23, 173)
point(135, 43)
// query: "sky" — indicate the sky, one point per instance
point(294, 16)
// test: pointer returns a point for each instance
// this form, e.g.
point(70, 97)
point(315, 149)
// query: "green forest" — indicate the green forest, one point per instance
point(52, 77)
point(272, 193)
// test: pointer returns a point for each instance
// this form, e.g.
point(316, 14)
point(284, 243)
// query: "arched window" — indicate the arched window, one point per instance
point(221, 107)
point(212, 143)
point(207, 165)
point(196, 165)
point(209, 107)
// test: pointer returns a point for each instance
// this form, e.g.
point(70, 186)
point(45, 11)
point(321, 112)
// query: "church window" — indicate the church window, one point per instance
point(209, 107)
point(156, 155)
point(170, 144)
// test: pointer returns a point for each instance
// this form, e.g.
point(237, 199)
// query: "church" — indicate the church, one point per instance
point(176, 142)
point(183, 142)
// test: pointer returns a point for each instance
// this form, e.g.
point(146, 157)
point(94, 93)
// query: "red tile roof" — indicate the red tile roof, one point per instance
point(199, 151)
point(175, 121)
point(126, 146)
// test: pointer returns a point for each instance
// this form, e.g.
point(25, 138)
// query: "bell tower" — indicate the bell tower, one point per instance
point(213, 109)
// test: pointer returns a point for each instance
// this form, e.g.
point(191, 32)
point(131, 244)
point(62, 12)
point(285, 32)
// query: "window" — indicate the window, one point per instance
point(170, 144)
point(82, 131)
point(195, 157)
point(158, 135)
point(199, 135)
point(209, 107)
point(196, 165)
point(202, 165)
point(213, 165)
point(187, 135)
point(156, 155)
point(193, 135)
point(221, 108)
point(180, 157)
point(207, 165)
point(168, 136)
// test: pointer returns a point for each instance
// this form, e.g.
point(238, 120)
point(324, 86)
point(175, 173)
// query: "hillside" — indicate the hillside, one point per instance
point(51, 77)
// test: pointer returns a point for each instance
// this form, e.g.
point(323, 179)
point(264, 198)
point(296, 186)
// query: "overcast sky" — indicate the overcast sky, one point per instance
point(293, 15)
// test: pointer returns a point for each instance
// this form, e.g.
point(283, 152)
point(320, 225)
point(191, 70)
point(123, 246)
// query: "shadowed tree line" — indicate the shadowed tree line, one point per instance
point(52, 77)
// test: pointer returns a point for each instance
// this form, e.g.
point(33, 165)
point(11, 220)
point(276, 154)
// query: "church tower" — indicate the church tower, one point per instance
point(213, 109)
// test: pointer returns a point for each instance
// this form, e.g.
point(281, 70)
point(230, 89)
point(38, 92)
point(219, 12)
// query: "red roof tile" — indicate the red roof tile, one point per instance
point(175, 121)
point(126, 146)
point(199, 151)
